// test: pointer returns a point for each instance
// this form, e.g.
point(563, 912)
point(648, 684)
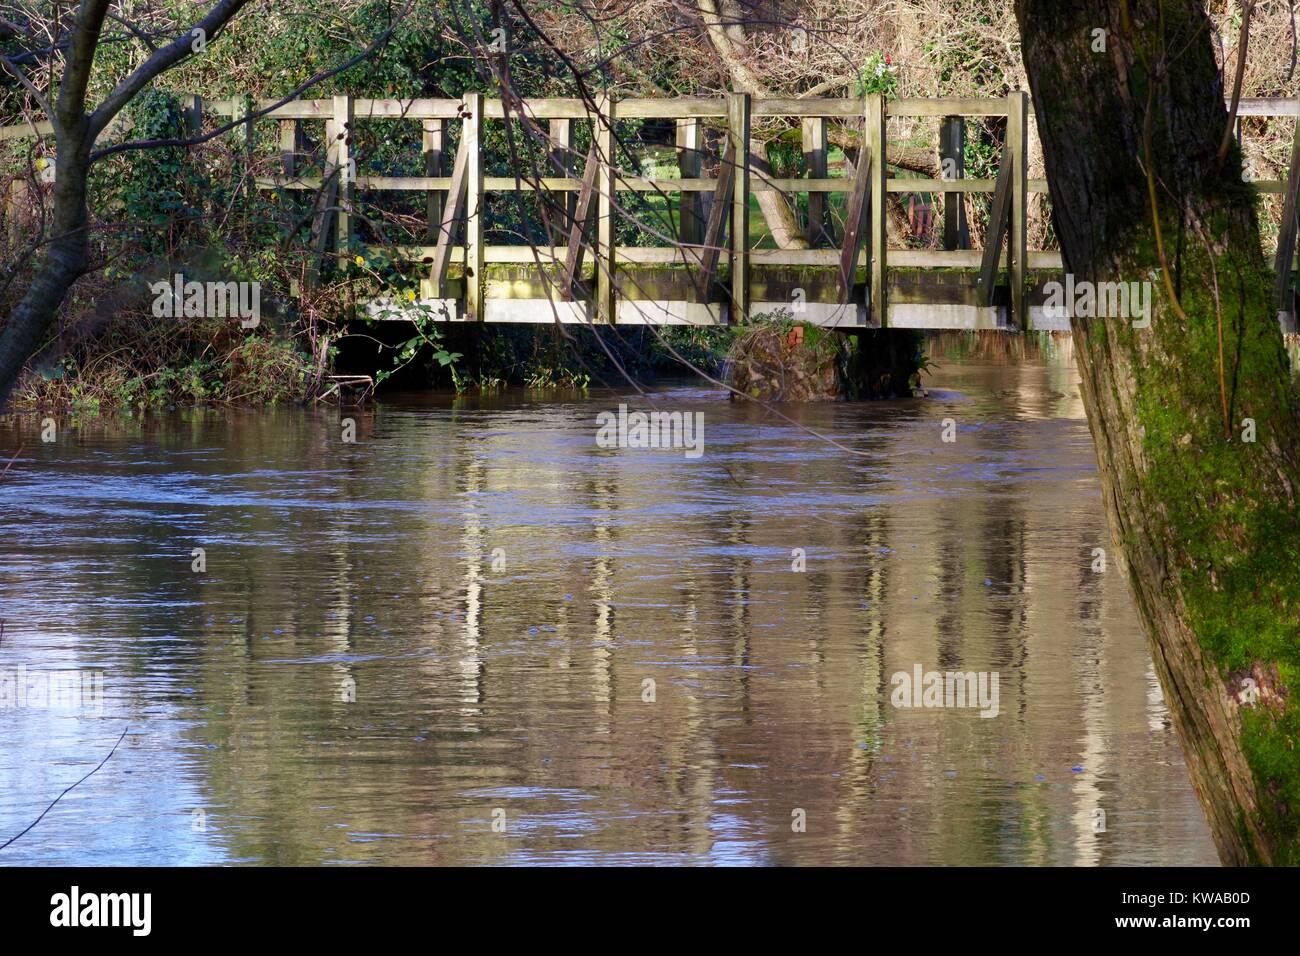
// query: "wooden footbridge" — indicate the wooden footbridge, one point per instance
point(707, 271)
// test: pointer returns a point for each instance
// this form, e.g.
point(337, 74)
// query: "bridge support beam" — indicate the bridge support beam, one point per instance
point(690, 209)
point(472, 137)
point(738, 109)
point(1286, 237)
point(603, 135)
point(1017, 238)
point(877, 233)
point(434, 145)
point(814, 160)
point(952, 157)
point(345, 162)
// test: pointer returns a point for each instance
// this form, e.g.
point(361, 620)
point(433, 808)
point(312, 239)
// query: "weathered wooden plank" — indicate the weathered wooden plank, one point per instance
point(559, 212)
point(952, 157)
point(1018, 139)
point(948, 106)
point(835, 107)
point(997, 227)
point(540, 109)
point(192, 113)
point(683, 107)
point(578, 231)
point(288, 182)
point(738, 121)
point(1268, 106)
point(433, 142)
point(901, 185)
point(346, 165)
point(719, 212)
point(15, 209)
point(507, 184)
point(878, 243)
point(289, 141)
point(322, 218)
point(1286, 240)
point(414, 109)
point(472, 136)
point(690, 141)
point(453, 210)
point(813, 136)
point(855, 225)
point(603, 135)
point(25, 130)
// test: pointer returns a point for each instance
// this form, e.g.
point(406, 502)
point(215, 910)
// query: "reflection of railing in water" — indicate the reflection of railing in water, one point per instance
point(635, 284)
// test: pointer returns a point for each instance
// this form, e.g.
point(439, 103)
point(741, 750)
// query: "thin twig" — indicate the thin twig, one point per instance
point(11, 463)
point(1246, 10)
point(66, 792)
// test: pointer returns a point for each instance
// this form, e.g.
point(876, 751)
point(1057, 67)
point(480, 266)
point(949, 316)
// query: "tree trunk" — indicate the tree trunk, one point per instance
point(66, 259)
point(1196, 424)
point(725, 31)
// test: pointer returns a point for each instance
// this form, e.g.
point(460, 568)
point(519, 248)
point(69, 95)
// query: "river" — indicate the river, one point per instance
point(474, 636)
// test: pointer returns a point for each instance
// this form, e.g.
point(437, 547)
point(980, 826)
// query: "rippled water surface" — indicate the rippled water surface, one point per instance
point(498, 593)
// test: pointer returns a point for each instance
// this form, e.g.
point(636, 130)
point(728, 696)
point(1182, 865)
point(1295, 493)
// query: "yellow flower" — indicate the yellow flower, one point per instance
point(361, 260)
point(410, 294)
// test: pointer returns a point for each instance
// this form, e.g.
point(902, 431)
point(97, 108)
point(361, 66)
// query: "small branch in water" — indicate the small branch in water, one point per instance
point(66, 792)
point(11, 461)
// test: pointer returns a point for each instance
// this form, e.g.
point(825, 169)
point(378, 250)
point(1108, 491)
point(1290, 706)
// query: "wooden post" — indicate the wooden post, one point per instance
point(240, 107)
point(578, 231)
point(192, 108)
point(434, 144)
point(603, 136)
point(878, 236)
point(15, 209)
point(814, 161)
point(1286, 237)
point(345, 162)
point(561, 218)
point(999, 217)
point(855, 225)
point(1018, 139)
point(326, 198)
point(289, 140)
point(454, 209)
point(952, 158)
point(690, 213)
point(716, 228)
point(738, 108)
point(472, 136)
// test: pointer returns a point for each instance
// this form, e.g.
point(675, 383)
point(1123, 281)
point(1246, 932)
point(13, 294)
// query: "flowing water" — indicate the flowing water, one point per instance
point(474, 636)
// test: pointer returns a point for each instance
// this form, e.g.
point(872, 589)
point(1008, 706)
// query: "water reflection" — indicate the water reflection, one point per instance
point(495, 592)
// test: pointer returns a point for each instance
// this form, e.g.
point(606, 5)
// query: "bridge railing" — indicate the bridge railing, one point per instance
point(714, 211)
point(865, 240)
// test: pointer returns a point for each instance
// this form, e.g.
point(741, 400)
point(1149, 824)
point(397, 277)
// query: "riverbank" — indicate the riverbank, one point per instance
point(134, 361)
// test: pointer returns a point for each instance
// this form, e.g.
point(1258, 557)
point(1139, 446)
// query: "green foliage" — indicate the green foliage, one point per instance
point(878, 75)
point(149, 193)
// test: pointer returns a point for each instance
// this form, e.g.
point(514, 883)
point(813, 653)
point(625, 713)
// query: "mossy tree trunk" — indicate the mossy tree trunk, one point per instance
point(1207, 518)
